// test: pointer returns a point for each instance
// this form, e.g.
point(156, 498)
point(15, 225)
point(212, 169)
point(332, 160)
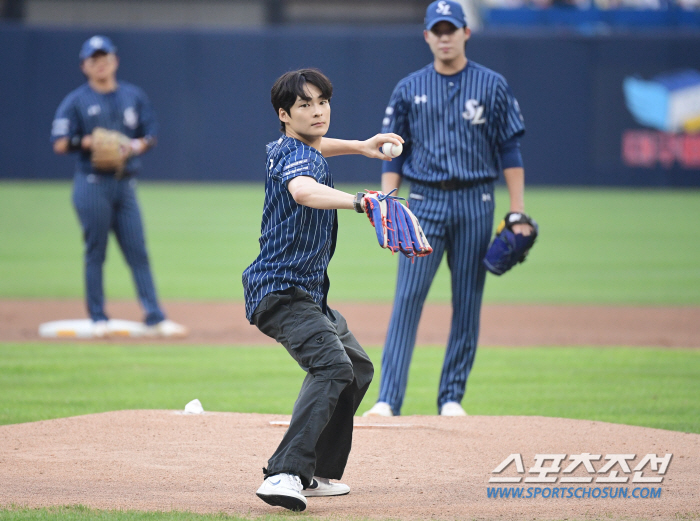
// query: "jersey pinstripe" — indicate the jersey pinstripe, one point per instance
point(453, 125)
point(127, 110)
point(296, 241)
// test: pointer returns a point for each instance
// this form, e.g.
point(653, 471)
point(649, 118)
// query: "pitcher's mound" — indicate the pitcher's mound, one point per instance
point(433, 467)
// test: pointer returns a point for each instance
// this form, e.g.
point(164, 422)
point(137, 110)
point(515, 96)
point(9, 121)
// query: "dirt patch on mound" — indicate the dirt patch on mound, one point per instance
point(501, 325)
point(411, 467)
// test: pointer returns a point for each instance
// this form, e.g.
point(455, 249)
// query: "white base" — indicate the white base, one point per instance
point(82, 328)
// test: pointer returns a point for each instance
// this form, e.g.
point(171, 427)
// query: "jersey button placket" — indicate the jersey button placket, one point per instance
point(452, 90)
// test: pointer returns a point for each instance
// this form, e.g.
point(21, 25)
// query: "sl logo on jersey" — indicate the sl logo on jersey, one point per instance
point(420, 99)
point(474, 112)
point(94, 110)
point(131, 118)
point(443, 8)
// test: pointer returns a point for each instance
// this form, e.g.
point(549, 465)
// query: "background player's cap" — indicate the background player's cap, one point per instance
point(94, 44)
point(445, 11)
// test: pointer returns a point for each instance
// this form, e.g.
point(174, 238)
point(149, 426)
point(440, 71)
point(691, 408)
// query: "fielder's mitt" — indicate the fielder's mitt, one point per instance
point(396, 226)
point(507, 248)
point(110, 150)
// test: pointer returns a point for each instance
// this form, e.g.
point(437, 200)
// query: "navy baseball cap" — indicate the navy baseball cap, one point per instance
point(445, 11)
point(95, 44)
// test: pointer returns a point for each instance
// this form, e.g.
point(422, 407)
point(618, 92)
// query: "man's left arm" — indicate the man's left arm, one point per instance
point(515, 181)
point(514, 174)
point(512, 128)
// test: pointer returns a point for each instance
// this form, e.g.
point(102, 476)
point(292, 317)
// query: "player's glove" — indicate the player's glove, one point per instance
point(110, 150)
point(507, 248)
point(396, 227)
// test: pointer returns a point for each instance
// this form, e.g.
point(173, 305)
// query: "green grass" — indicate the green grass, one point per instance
point(611, 246)
point(83, 513)
point(634, 386)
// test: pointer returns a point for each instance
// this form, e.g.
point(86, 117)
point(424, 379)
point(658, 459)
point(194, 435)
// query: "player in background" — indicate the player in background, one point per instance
point(461, 124)
point(286, 290)
point(106, 200)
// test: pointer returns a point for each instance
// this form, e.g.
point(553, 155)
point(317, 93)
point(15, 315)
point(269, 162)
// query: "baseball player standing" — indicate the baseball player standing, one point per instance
point(461, 124)
point(105, 197)
point(286, 290)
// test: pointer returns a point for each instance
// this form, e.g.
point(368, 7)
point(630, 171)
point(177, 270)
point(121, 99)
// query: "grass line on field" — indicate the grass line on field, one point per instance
point(84, 513)
point(649, 387)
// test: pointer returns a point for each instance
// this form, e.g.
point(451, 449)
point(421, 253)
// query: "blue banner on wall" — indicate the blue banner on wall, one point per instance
point(211, 91)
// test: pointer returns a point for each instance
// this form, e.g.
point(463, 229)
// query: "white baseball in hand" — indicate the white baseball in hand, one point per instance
point(392, 150)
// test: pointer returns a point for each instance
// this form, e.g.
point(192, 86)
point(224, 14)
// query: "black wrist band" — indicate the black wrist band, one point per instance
point(357, 202)
point(75, 143)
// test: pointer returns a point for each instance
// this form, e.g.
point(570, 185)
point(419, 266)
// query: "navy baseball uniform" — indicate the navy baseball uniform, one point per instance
point(456, 128)
point(285, 295)
point(106, 200)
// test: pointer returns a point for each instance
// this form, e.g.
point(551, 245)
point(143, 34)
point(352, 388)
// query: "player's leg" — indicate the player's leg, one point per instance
point(299, 324)
point(468, 241)
point(92, 200)
point(412, 285)
point(128, 227)
point(333, 447)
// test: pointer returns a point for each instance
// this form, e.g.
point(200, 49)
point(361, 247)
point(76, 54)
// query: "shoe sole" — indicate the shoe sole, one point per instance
point(322, 494)
point(279, 500)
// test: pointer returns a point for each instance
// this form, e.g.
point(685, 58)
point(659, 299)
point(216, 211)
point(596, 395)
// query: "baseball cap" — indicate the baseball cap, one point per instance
point(445, 11)
point(94, 44)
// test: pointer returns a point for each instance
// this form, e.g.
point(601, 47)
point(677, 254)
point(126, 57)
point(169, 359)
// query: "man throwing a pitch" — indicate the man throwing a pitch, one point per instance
point(286, 290)
point(461, 124)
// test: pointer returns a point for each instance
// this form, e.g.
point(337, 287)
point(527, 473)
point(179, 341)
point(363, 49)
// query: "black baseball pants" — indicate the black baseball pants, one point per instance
point(339, 372)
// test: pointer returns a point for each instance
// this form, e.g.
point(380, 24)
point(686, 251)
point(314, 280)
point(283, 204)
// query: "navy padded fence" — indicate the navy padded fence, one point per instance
point(211, 92)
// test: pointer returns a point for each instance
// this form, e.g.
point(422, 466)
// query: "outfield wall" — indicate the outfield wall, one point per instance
point(211, 93)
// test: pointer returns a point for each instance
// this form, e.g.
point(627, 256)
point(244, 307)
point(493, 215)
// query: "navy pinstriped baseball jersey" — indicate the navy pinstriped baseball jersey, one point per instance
point(453, 125)
point(296, 241)
point(127, 110)
point(103, 202)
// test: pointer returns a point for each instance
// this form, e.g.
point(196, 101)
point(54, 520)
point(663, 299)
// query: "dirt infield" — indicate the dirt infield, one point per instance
point(432, 468)
point(411, 467)
point(502, 325)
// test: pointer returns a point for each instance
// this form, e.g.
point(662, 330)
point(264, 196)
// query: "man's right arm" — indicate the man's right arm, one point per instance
point(63, 145)
point(65, 132)
point(60, 146)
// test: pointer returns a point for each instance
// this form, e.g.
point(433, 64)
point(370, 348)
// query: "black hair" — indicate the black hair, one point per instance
point(290, 86)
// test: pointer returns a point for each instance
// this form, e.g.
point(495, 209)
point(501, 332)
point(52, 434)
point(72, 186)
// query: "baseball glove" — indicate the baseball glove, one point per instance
point(507, 248)
point(396, 226)
point(110, 150)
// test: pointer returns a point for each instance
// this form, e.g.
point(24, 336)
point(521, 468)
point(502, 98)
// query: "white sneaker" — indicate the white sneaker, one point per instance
point(167, 329)
point(100, 329)
point(452, 409)
point(283, 490)
point(323, 487)
point(379, 409)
